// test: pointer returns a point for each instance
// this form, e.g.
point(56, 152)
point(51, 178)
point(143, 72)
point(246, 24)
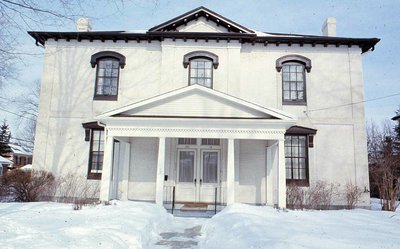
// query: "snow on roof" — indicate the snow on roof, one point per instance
point(18, 149)
point(4, 161)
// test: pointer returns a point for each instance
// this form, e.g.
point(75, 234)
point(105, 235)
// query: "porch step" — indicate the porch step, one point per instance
point(195, 206)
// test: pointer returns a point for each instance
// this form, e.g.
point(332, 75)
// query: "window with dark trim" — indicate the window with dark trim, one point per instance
point(1, 169)
point(201, 64)
point(298, 140)
point(293, 69)
point(96, 154)
point(296, 158)
point(107, 74)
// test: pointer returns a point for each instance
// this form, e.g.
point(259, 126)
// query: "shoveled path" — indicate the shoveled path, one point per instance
point(182, 233)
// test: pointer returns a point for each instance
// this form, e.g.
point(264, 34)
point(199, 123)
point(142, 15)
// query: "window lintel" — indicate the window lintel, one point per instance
point(293, 58)
point(200, 54)
point(107, 54)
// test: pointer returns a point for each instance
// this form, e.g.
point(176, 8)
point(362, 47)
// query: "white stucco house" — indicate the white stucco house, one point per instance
point(205, 106)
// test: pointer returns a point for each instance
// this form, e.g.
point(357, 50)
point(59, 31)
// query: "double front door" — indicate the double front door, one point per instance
point(198, 174)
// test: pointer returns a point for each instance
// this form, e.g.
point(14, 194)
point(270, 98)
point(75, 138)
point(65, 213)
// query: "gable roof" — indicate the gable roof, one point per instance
point(236, 32)
point(194, 14)
point(198, 99)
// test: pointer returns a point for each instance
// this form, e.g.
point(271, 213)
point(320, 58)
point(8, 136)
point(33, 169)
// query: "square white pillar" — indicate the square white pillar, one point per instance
point(107, 168)
point(126, 154)
point(230, 174)
point(160, 171)
point(281, 174)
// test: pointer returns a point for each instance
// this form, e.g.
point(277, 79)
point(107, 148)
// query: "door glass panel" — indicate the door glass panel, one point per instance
point(210, 167)
point(186, 166)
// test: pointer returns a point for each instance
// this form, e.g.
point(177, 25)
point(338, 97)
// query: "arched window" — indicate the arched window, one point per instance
point(107, 74)
point(293, 69)
point(201, 64)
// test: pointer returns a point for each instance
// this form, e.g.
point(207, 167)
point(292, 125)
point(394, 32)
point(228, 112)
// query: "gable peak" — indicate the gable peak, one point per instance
point(173, 24)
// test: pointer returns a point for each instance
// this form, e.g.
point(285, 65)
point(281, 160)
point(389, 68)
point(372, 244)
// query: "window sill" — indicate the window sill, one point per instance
point(299, 183)
point(106, 97)
point(94, 176)
point(294, 103)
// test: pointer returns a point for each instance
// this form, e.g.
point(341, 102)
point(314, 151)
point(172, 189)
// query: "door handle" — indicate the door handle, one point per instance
point(195, 181)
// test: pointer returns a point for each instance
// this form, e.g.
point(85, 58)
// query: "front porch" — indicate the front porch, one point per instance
point(164, 171)
point(205, 144)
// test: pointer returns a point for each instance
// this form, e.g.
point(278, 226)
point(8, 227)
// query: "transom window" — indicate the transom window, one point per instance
point(296, 158)
point(293, 81)
point(199, 141)
point(201, 72)
point(191, 141)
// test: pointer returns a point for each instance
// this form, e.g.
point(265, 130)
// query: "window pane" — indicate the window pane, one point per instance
point(286, 95)
point(293, 95)
point(285, 86)
point(300, 86)
point(303, 174)
point(200, 64)
point(193, 72)
point(300, 96)
point(207, 64)
point(210, 167)
point(186, 166)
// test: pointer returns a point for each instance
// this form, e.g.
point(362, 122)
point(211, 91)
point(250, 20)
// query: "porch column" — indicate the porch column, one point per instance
point(107, 168)
point(230, 175)
point(281, 174)
point(126, 153)
point(160, 171)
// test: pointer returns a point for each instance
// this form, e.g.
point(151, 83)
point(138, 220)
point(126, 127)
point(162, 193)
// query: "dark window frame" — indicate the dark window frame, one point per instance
point(103, 56)
point(299, 182)
point(295, 60)
point(94, 175)
point(211, 68)
point(205, 55)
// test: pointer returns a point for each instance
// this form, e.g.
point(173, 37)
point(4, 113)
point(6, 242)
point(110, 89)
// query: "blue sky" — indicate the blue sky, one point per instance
point(355, 18)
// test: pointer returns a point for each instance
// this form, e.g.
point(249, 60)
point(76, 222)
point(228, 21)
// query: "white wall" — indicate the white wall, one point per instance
point(244, 71)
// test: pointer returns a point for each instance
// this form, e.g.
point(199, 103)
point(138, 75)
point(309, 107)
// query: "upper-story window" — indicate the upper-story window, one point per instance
point(201, 64)
point(293, 69)
point(107, 74)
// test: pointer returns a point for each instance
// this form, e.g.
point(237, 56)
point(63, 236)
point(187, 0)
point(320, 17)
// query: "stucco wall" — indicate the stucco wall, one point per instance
point(245, 71)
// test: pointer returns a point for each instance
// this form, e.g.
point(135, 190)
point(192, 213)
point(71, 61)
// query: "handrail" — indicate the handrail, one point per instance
point(215, 201)
point(173, 199)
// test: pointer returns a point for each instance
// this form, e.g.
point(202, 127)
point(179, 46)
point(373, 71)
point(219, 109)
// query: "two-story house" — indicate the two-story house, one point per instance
point(204, 104)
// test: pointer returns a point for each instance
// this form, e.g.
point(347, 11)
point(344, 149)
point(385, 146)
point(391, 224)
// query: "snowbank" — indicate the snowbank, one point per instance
point(56, 225)
point(146, 225)
point(244, 226)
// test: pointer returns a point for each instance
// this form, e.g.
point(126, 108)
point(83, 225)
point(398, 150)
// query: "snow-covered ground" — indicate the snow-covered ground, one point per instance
point(145, 225)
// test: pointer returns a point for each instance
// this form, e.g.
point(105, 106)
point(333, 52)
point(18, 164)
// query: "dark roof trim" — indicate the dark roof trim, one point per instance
point(293, 57)
point(92, 125)
point(103, 54)
point(365, 44)
point(301, 130)
point(201, 11)
point(198, 54)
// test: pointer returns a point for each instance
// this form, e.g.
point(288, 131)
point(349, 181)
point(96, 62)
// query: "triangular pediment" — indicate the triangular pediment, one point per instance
point(197, 102)
point(201, 20)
